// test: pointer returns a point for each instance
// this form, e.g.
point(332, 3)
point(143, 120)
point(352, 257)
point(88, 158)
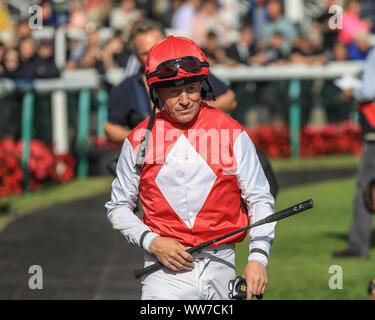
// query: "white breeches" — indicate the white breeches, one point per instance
point(213, 269)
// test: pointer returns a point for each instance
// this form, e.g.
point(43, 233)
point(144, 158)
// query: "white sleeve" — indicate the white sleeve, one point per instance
point(255, 190)
point(124, 199)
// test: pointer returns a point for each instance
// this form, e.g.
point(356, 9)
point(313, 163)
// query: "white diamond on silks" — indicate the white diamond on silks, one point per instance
point(179, 171)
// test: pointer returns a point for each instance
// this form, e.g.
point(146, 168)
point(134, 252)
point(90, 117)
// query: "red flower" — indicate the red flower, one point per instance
point(42, 166)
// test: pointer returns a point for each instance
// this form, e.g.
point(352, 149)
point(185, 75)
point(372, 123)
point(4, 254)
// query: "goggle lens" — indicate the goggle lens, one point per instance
point(168, 70)
point(191, 65)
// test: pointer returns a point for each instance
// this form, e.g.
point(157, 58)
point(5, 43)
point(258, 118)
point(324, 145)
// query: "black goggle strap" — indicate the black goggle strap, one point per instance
point(144, 143)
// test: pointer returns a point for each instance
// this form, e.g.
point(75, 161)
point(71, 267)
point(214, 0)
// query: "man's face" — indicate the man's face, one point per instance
point(181, 103)
point(45, 51)
point(27, 48)
point(274, 10)
point(247, 36)
point(143, 43)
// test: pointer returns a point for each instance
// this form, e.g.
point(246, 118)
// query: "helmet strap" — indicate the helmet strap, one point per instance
point(208, 94)
point(144, 143)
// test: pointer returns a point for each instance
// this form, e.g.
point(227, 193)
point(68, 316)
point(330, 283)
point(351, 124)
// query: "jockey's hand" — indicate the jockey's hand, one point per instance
point(172, 254)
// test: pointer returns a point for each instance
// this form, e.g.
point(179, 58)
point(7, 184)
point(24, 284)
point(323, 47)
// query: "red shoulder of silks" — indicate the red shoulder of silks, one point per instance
point(368, 109)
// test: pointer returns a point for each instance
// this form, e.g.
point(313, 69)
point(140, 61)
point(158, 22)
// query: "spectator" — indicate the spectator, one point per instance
point(340, 52)
point(76, 50)
point(272, 54)
point(352, 24)
point(147, 8)
point(78, 19)
point(242, 50)
point(97, 11)
point(6, 25)
point(230, 12)
point(23, 30)
point(93, 53)
point(279, 24)
point(61, 10)
point(94, 38)
point(166, 18)
point(272, 96)
point(48, 14)
point(92, 59)
point(368, 12)
point(337, 110)
point(214, 53)
point(115, 54)
point(208, 19)
point(257, 17)
point(321, 23)
point(27, 51)
point(11, 103)
point(309, 51)
point(360, 47)
point(183, 17)
point(44, 65)
point(124, 16)
point(5, 20)
point(13, 68)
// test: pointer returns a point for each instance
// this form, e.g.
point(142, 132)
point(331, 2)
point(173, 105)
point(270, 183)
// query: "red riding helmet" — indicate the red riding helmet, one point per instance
point(175, 61)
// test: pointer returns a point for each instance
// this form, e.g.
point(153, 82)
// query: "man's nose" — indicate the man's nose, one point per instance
point(184, 98)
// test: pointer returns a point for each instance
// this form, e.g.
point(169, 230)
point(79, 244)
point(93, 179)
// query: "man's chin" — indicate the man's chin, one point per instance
point(184, 120)
point(185, 116)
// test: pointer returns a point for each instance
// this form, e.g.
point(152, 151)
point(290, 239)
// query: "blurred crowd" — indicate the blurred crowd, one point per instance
point(253, 32)
point(231, 32)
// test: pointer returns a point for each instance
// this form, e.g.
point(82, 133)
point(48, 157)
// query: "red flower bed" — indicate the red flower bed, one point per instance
point(314, 141)
point(43, 166)
point(272, 140)
point(331, 139)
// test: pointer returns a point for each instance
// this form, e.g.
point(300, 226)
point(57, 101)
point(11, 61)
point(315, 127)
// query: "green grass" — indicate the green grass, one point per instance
point(54, 194)
point(339, 161)
point(301, 255)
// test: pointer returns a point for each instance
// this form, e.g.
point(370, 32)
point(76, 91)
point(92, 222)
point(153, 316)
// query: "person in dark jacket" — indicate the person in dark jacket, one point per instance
point(10, 105)
point(12, 66)
point(44, 65)
point(242, 50)
point(27, 51)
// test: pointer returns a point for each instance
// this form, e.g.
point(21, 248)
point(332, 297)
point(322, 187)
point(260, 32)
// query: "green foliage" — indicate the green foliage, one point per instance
point(301, 255)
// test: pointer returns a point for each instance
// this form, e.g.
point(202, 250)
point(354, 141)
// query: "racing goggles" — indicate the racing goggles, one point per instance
point(169, 68)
